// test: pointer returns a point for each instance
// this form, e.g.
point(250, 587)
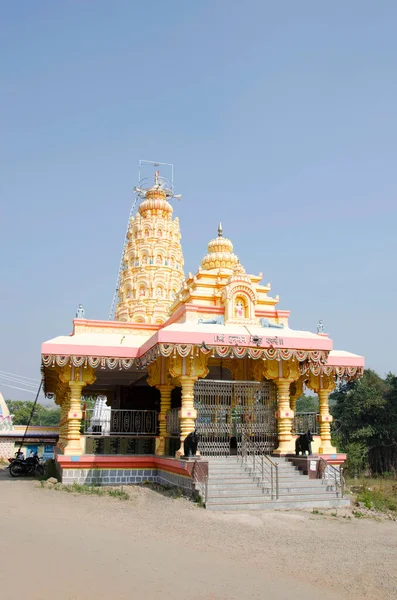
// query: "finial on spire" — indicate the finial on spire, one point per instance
point(220, 230)
point(156, 177)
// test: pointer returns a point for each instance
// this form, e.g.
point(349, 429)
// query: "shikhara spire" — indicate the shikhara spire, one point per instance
point(153, 260)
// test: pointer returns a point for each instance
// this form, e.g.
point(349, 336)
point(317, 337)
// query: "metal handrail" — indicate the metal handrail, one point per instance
point(249, 453)
point(273, 469)
point(196, 473)
point(337, 474)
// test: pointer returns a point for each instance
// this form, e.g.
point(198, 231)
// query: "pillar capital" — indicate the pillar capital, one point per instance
point(321, 382)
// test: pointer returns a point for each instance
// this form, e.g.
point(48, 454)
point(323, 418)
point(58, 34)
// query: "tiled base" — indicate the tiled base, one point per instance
point(6, 448)
point(124, 477)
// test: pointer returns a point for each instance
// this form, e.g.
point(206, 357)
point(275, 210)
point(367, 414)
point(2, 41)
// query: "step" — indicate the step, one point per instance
point(278, 505)
point(234, 484)
point(237, 467)
point(231, 481)
point(290, 491)
point(255, 492)
point(233, 497)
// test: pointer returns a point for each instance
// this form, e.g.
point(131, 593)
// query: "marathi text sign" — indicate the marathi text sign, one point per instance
point(244, 340)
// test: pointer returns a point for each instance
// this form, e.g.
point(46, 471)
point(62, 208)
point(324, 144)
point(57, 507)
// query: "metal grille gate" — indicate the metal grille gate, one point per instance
point(230, 411)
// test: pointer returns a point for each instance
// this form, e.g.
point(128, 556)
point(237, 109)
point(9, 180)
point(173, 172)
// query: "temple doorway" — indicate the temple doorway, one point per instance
point(235, 415)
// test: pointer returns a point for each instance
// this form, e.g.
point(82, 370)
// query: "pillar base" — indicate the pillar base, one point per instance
point(73, 450)
point(160, 446)
point(179, 453)
point(327, 449)
point(285, 448)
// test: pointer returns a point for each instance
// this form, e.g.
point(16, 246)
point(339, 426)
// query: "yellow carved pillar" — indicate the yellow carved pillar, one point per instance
point(72, 381)
point(65, 401)
point(323, 385)
point(165, 405)
point(187, 414)
point(187, 370)
point(285, 418)
point(74, 415)
point(325, 420)
point(296, 391)
point(283, 373)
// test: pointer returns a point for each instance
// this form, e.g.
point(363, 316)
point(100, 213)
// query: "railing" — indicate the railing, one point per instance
point(120, 422)
point(200, 479)
point(260, 466)
point(173, 425)
point(303, 421)
point(330, 475)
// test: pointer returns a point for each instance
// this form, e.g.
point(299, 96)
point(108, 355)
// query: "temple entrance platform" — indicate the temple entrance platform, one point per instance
point(251, 482)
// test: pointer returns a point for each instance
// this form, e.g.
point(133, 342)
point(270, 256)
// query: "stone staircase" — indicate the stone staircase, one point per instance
point(233, 486)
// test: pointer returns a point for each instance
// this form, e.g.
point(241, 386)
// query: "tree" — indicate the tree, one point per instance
point(367, 411)
point(42, 415)
point(307, 404)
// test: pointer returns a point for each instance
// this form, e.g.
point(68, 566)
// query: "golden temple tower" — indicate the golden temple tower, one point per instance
point(152, 271)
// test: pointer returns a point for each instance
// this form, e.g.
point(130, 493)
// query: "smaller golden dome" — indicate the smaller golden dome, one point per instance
point(220, 253)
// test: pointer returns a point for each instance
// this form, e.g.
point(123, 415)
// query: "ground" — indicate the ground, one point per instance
point(76, 547)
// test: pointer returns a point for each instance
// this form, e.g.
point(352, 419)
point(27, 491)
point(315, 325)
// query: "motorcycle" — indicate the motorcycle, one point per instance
point(26, 466)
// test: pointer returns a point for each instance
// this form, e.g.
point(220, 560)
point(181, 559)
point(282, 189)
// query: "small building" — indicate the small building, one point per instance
point(35, 438)
point(211, 352)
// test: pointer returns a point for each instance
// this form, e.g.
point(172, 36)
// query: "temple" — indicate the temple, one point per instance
point(211, 352)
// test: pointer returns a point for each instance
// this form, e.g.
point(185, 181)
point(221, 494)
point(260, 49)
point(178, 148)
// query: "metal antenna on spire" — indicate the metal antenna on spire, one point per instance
point(167, 185)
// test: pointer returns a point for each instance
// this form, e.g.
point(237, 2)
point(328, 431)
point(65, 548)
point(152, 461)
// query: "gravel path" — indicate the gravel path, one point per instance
point(152, 546)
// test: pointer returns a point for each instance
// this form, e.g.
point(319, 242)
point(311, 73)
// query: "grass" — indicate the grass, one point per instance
point(375, 493)
point(91, 490)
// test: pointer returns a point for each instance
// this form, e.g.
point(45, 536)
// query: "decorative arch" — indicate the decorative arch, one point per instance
point(243, 288)
point(159, 292)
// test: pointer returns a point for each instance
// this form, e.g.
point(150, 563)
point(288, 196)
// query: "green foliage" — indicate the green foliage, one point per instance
point(356, 458)
point(78, 488)
point(307, 404)
point(42, 414)
point(377, 493)
point(367, 412)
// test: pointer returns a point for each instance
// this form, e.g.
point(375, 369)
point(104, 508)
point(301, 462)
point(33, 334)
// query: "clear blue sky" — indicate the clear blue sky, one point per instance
point(280, 118)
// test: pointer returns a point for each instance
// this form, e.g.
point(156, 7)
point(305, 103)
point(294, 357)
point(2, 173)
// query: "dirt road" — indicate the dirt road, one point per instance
point(64, 546)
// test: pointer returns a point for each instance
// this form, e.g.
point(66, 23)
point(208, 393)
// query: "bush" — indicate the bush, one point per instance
point(356, 462)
